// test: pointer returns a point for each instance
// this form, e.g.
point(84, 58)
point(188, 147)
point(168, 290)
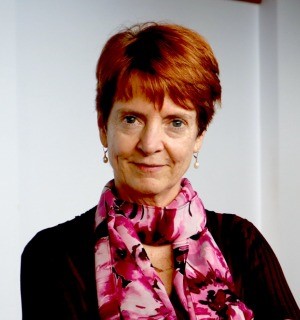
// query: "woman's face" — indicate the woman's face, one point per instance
point(150, 149)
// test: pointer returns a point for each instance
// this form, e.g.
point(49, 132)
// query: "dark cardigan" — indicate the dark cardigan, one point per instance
point(58, 276)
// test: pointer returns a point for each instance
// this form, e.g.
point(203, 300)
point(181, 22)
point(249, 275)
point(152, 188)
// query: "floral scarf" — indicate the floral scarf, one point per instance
point(128, 286)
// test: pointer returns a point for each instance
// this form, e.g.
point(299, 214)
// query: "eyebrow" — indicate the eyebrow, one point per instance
point(133, 112)
point(176, 114)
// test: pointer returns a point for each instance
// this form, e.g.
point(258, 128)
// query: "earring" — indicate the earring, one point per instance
point(105, 158)
point(196, 164)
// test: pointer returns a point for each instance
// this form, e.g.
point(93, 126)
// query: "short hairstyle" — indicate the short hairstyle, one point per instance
point(155, 60)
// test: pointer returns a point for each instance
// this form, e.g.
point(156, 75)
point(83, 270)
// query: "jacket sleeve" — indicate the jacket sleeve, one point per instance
point(269, 292)
point(257, 274)
point(42, 289)
point(57, 279)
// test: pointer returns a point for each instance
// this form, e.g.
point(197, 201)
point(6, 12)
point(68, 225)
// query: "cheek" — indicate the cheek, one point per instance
point(182, 153)
point(118, 146)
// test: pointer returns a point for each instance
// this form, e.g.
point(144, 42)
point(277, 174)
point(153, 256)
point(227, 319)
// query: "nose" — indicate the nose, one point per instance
point(151, 138)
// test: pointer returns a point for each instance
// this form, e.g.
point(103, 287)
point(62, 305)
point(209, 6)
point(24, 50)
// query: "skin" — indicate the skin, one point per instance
point(150, 149)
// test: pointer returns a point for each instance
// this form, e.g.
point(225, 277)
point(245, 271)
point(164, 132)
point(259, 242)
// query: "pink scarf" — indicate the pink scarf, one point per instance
point(128, 287)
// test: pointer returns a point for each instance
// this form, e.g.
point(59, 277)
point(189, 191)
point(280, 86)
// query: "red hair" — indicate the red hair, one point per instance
point(156, 60)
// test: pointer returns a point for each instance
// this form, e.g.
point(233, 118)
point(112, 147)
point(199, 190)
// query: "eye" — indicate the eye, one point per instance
point(130, 119)
point(177, 123)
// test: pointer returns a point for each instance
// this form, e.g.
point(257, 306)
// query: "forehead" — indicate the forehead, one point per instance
point(152, 89)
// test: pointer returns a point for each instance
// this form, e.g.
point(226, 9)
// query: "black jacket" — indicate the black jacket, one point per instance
point(58, 276)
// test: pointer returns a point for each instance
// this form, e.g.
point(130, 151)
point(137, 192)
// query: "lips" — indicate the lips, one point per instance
point(146, 167)
point(148, 164)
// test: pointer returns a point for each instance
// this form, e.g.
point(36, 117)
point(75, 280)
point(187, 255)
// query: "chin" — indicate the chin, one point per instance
point(149, 188)
point(157, 192)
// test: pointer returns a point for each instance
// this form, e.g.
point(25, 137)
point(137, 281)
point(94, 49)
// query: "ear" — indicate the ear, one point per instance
point(102, 130)
point(198, 142)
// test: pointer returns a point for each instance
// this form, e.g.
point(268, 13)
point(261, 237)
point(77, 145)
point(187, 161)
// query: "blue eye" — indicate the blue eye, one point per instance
point(177, 123)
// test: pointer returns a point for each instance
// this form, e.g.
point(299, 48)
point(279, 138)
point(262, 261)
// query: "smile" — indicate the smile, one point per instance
point(148, 167)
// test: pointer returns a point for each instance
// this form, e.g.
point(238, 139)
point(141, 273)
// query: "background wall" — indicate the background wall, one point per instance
point(280, 132)
point(51, 166)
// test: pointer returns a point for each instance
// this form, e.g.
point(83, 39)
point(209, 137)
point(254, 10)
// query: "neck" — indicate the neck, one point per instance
point(162, 260)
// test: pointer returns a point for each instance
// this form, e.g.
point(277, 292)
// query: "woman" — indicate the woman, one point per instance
point(149, 249)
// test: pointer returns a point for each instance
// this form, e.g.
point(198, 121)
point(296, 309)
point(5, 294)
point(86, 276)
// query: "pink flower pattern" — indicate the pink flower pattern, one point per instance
point(128, 287)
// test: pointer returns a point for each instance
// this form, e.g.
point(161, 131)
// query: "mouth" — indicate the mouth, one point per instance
point(145, 167)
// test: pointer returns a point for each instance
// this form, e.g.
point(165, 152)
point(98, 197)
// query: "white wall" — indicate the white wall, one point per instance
point(51, 169)
point(280, 132)
point(9, 178)
point(288, 14)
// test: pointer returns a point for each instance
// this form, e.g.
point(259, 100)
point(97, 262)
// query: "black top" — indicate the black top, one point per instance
point(58, 273)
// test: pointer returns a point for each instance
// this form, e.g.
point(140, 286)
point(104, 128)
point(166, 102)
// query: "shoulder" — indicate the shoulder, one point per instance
point(60, 237)
point(219, 220)
point(239, 239)
point(57, 271)
point(237, 235)
point(240, 242)
point(231, 227)
point(257, 274)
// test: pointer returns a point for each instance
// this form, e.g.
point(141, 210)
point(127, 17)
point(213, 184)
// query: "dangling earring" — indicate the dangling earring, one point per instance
point(105, 158)
point(196, 164)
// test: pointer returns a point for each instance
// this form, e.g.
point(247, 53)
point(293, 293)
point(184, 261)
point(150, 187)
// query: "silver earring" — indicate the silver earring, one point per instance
point(196, 163)
point(105, 158)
